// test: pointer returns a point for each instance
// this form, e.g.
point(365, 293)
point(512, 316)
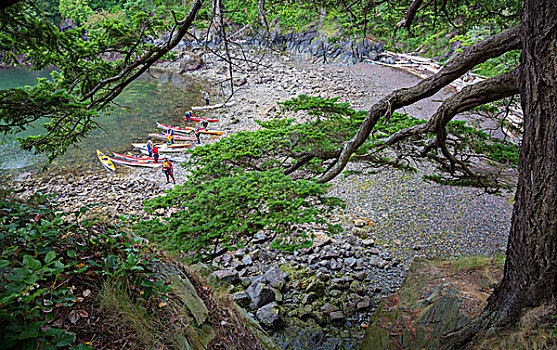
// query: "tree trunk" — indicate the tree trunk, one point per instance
point(263, 15)
point(530, 275)
point(410, 14)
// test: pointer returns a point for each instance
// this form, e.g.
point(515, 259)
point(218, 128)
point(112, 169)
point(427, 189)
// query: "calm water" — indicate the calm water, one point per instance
point(159, 96)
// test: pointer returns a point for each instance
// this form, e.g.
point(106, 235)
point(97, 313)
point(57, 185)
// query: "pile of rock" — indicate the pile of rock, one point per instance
point(336, 282)
point(263, 293)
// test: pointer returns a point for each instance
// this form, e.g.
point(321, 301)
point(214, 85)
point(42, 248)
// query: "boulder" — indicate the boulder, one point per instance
point(242, 298)
point(360, 276)
point(308, 298)
point(350, 262)
point(240, 81)
point(356, 287)
point(229, 276)
point(336, 316)
point(378, 262)
point(368, 242)
point(247, 260)
point(190, 61)
point(363, 304)
point(238, 265)
point(275, 277)
point(269, 315)
point(335, 265)
point(261, 294)
point(317, 287)
point(330, 254)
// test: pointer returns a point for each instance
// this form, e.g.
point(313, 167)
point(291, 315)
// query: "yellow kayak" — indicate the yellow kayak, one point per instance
point(105, 161)
point(202, 131)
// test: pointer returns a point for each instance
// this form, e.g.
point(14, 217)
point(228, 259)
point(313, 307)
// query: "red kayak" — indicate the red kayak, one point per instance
point(146, 159)
point(198, 119)
point(133, 157)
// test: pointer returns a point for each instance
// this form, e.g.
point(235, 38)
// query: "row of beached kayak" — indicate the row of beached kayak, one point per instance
point(164, 149)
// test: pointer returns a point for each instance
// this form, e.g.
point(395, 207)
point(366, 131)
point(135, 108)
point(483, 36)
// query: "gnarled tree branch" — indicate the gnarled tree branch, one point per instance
point(410, 14)
point(492, 47)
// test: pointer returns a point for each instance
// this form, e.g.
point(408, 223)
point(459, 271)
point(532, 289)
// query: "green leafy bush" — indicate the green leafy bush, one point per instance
point(231, 211)
point(43, 257)
point(495, 149)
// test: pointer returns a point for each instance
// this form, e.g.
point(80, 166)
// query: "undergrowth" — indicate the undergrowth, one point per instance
point(51, 271)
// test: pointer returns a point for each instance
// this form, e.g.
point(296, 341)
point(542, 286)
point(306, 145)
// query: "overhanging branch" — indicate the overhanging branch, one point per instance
point(464, 61)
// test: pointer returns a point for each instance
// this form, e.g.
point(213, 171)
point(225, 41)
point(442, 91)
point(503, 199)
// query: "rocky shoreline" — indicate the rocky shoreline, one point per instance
point(325, 294)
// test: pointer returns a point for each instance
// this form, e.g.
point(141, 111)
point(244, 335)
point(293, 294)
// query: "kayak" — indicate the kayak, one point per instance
point(198, 119)
point(106, 161)
point(162, 149)
point(218, 105)
point(136, 163)
point(175, 128)
point(147, 159)
point(173, 158)
point(176, 137)
point(174, 145)
point(187, 129)
point(210, 132)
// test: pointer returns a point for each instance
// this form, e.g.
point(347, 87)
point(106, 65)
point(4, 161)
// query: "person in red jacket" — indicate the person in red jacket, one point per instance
point(197, 131)
point(167, 169)
point(155, 151)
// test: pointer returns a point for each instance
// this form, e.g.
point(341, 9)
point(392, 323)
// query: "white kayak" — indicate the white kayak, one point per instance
point(176, 137)
point(147, 159)
point(136, 163)
point(218, 105)
point(162, 149)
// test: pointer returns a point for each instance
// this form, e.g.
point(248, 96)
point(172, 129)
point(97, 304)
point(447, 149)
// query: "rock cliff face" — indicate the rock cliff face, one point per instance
point(436, 297)
point(206, 312)
point(312, 45)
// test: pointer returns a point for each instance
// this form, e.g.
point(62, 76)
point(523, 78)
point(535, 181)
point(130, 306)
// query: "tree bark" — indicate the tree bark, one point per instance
point(410, 14)
point(263, 15)
point(472, 96)
point(530, 274)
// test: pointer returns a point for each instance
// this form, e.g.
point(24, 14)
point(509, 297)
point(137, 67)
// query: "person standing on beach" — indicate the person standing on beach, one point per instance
point(196, 131)
point(149, 148)
point(207, 99)
point(155, 151)
point(167, 169)
point(170, 136)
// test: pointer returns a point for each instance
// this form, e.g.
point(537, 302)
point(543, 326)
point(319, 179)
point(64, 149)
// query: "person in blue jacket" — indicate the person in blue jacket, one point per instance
point(150, 148)
point(169, 136)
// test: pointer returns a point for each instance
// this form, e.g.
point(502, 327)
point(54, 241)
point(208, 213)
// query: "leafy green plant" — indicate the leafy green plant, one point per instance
point(30, 269)
point(42, 255)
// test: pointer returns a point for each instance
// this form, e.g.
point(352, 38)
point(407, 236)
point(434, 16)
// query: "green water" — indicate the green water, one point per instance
point(159, 96)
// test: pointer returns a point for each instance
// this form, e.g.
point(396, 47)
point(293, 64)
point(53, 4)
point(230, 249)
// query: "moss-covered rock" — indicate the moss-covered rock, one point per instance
point(435, 298)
